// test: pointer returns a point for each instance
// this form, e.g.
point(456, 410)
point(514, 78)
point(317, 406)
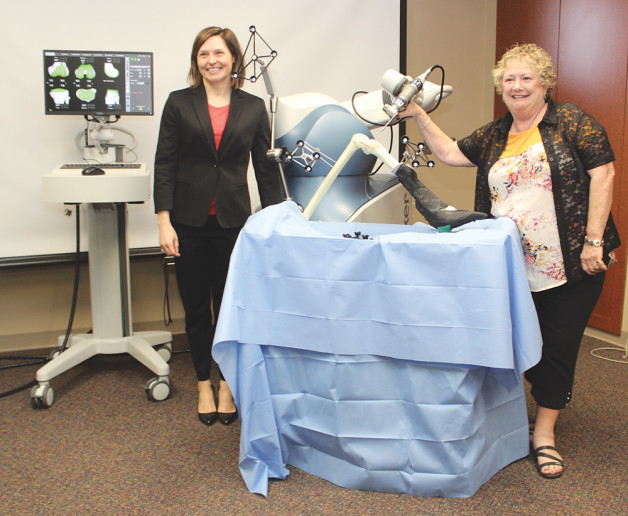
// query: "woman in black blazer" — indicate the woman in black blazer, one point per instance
point(208, 133)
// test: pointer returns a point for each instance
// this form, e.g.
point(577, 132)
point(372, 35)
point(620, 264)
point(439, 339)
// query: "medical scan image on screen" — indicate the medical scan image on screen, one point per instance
point(98, 82)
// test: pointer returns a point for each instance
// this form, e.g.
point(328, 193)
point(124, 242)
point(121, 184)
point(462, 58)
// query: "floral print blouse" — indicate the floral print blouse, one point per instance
point(521, 189)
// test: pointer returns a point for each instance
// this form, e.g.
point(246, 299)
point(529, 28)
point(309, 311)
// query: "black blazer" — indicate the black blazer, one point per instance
point(189, 170)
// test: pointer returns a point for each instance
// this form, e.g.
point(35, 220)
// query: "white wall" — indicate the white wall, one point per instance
point(329, 46)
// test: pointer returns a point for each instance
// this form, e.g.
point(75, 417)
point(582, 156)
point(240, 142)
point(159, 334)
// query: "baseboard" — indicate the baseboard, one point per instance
point(50, 339)
point(620, 341)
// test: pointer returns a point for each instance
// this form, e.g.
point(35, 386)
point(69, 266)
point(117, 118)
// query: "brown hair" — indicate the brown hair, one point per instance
point(537, 58)
point(195, 78)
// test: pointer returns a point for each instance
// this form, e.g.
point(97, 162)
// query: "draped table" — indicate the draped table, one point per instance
point(379, 357)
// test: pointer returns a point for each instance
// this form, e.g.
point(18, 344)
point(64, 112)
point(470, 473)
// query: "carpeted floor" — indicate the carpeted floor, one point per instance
point(104, 448)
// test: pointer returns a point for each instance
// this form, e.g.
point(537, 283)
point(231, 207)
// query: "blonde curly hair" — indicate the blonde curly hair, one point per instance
point(536, 57)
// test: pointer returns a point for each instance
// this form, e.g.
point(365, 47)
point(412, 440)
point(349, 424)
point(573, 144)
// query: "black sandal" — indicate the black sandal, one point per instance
point(555, 461)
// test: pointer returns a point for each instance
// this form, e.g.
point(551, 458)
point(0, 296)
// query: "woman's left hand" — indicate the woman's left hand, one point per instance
point(591, 260)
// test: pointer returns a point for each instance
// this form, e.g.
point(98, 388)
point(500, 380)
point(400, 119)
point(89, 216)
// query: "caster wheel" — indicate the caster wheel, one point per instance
point(165, 351)
point(35, 400)
point(157, 389)
point(42, 396)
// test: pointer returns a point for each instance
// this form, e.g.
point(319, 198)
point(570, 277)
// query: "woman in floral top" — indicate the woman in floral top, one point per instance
point(549, 168)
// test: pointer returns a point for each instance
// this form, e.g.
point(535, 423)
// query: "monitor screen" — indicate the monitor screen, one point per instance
point(98, 83)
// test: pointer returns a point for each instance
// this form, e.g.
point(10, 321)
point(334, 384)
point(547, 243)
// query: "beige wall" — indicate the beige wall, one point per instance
point(35, 303)
point(459, 36)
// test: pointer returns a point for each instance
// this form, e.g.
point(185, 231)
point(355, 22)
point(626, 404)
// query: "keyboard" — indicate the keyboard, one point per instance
point(104, 166)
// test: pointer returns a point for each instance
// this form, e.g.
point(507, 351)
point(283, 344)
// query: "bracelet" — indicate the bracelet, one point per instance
point(593, 243)
point(426, 124)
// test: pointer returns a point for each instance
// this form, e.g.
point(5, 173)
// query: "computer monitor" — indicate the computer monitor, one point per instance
point(98, 83)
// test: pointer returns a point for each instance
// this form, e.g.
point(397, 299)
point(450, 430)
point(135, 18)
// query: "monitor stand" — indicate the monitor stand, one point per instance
point(111, 312)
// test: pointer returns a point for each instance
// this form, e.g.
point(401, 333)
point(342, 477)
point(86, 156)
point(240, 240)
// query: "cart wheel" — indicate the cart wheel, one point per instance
point(42, 396)
point(165, 351)
point(157, 389)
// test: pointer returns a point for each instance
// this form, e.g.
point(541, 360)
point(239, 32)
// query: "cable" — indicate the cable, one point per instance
point(77, 273)
point(399, 120)
point(21, 357)
point(595, 352)
point(442, 87)
point(367, 121)
point(40, 360)
point(18, 389)
point(62, 348)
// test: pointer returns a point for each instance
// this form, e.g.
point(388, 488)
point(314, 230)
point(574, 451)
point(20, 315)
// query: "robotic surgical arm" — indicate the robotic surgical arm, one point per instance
point(325, 135)
point(437, 213)
point(299, 139)
point(399, 90)
point(382, 107)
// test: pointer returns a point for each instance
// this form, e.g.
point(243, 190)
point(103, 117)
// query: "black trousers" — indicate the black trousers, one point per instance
point(563, 314)
point(201, 273)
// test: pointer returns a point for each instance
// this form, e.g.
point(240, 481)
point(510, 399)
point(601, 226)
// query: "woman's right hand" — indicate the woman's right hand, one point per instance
point(168, 239)
point(415, 111)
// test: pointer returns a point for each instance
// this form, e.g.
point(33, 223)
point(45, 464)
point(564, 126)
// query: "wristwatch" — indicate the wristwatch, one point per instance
point(593, 243)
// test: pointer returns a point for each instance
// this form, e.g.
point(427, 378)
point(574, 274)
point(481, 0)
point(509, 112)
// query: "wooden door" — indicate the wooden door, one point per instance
point(588, 42)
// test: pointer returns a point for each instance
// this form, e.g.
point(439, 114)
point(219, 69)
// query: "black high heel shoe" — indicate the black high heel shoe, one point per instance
point(226, 418)
point(209, 418)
